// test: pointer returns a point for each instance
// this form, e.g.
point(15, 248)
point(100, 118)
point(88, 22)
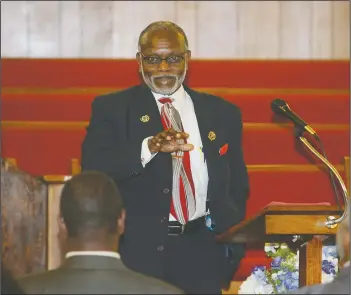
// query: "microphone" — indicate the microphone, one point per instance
point(280, 107)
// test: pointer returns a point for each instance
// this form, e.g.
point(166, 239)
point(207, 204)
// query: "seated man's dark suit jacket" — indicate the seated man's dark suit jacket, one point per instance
point(87, 274)
point(113, 145)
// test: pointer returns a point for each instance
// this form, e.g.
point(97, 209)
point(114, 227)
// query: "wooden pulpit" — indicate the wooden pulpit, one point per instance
point(303, 224)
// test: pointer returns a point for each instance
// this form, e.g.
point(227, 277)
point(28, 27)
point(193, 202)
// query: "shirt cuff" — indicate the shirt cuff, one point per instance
point(146, 155)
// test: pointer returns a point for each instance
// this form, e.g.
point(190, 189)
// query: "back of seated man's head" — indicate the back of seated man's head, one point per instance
point(92, 212)
point(343, 239)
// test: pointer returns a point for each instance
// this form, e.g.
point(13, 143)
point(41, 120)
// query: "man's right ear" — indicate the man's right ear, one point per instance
point(138, 58)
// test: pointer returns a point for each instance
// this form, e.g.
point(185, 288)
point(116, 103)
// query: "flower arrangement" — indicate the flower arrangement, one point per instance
point(330, 263)
point(283, 275)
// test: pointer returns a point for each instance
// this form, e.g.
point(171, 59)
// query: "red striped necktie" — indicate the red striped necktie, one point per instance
point(183, 195)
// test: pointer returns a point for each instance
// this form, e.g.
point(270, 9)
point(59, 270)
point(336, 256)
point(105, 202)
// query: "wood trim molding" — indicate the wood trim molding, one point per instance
point(76, 168)
point(290, 168)
point(10, 162)
point(251, 168)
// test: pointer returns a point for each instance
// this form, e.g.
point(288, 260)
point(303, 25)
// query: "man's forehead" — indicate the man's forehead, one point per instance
point(163, 39)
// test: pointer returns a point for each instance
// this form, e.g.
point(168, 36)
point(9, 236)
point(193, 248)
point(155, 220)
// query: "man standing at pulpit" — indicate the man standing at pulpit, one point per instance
point(176, 155)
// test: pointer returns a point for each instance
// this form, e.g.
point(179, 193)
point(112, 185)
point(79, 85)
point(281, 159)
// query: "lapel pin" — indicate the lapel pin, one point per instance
point(212, 135)
point(145, 118)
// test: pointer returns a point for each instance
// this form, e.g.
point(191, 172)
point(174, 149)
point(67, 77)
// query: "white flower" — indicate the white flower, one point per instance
point(264, 289)
point(249, 285)
point(326, 278)
point(270, 249)
point(329, 251)
point(252, 285)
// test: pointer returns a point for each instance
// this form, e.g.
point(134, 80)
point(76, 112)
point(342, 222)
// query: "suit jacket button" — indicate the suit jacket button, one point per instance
point(160, 248)
point(165, 190)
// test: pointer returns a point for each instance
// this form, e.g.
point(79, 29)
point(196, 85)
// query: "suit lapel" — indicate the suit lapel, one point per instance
point(205, 119)
point(144, 114)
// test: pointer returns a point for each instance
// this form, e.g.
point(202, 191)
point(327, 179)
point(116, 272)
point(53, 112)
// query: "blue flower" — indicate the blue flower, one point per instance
point(291, 281)
point(328, 267)
point(276, 262)
point(281, 276)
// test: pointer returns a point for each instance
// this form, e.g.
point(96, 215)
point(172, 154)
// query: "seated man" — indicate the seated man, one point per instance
point(93, 220)
point(341, 283)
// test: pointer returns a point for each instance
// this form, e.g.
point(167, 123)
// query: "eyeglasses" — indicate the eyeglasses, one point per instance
point(157, 60)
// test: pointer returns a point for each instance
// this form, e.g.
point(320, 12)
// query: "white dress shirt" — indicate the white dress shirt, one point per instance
point(93, 253)
point(184, 105)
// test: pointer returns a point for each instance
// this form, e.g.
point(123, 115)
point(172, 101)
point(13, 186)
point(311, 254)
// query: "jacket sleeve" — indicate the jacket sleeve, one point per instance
point(240, 179)
point(101, 149)
point(239, 189)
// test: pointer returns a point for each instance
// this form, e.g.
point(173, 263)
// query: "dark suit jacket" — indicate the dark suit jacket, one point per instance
point(340, 285)
point(94, 275)
point(113, 145)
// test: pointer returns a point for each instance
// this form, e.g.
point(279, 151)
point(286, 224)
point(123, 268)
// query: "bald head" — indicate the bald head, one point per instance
point(162, 28)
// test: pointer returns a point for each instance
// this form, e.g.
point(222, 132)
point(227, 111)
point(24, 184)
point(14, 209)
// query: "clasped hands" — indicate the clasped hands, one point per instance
point(166, 142)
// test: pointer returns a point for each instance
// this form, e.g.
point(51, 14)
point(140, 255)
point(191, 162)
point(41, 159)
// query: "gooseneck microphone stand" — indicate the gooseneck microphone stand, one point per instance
point(331, 221)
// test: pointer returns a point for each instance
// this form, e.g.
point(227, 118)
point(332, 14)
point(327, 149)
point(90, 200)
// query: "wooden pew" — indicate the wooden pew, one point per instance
point(23, 220)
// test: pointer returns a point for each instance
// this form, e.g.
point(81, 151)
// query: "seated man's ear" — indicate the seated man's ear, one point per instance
point(121, 222)
point(62, 229)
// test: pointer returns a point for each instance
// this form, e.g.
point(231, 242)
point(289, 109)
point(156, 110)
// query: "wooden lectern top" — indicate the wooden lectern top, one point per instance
point(276, 222)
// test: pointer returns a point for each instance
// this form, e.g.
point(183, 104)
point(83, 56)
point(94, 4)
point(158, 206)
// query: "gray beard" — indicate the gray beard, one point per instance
point(152, 85)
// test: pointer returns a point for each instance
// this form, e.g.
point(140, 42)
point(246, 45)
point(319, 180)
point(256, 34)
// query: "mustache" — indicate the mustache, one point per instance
point(165, 76)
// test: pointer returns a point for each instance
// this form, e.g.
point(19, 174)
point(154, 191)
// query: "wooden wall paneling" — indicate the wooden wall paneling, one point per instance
point(295, 29)
point(186, 18)
point(43, 28)
point(131, 17)
point(322, 30)
point(215, 29)
point(341, 29)
point(14, 29)
point(70, 33)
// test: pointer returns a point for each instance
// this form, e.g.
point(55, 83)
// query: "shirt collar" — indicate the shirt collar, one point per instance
point(93, 253)
point(177, 97)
